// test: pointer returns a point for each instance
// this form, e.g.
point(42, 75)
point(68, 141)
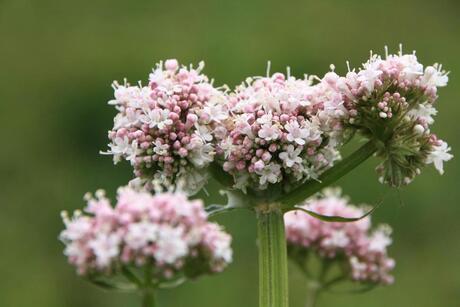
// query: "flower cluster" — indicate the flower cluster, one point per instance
point(391, 100)
point(361, 252)
point(166, 231)
point(166, 129)
point(281, 130)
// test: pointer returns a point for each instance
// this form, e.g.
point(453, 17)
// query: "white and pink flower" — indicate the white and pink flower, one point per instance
point(364, 251)
point(166, 229)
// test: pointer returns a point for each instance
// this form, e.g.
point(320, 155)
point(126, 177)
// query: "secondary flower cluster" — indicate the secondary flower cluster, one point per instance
point(166, 231)
point(362, 251)
point(281, 130)
point(391, 100)
point(166, 129)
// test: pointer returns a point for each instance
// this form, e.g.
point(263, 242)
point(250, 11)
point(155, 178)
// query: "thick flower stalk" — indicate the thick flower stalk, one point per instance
point(151, 240)
point(166, 129)
point(392, 100)
point(346, 251)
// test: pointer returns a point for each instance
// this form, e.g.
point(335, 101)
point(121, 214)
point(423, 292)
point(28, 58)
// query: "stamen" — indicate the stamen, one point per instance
point(268, 68)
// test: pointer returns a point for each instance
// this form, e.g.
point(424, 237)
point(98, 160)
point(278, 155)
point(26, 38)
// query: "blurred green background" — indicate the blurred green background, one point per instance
point(58, 58)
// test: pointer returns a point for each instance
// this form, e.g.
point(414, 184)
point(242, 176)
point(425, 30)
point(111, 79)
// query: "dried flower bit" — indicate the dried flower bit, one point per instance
point(166, 231)
point(167, 130)
point(360, 252)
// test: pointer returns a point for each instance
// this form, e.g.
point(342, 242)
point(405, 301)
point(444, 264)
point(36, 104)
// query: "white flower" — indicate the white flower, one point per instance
point(215, 108)
point(161, 149)
point(77, 252)
point(105, 248)
point(140, 234)
point(203, 132)
point(241, 123)
point(121, 147)
point(269, 132)
point(412, 68)
point(337, 239)
point(266, 119)
point(202, 155)
point(424, 112)
point(222, 248)
point(291, 156)
point(270, 173)
point(370, 74)
point(434, 77)
point(267, 100)
point(158, 76)
point(76, 229)
point(227, 146)
point(439, 155)
point(132, 152)
point(156, 118)
point(170, 245)
point(130, 118)
point(296, 133)
point(380, 239)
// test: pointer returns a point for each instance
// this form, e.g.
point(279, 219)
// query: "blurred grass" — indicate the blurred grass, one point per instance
point(58, 58)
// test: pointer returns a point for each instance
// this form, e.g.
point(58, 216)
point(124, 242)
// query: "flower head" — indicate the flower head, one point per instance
point(361, 253)
point(391, 100)
point(279, 131)
point(166, 129)
point(166, 231)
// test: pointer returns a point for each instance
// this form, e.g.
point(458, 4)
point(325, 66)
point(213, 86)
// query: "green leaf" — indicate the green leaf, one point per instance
point(173, 283)
point(336, 218)
point(110, 284)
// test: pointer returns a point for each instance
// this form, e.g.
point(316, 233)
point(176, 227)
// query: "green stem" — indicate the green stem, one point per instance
point(148, 290)
point(273, 275)
point(313, 290)
point(333, 174)
point(148, 298)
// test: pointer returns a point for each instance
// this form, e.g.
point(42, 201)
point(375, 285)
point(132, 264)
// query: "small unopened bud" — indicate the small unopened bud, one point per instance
point(171, 64)
point(419, 129)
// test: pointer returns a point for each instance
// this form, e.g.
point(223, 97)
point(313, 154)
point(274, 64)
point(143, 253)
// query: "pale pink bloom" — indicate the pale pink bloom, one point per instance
point(296, 133)
point(439, 155)
point(352, 244)
point(276, 129)
point(156, 124)
point(166, 228)
point(269, 132)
